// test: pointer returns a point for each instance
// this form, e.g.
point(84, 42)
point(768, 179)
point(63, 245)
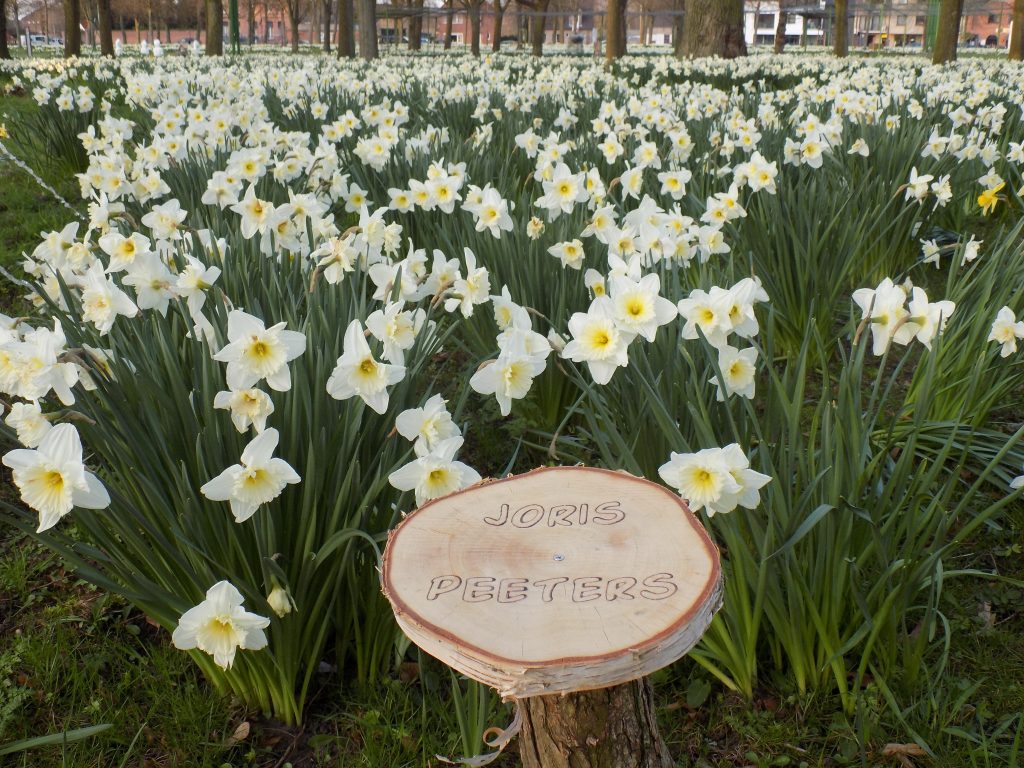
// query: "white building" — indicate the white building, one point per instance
point(806, 19)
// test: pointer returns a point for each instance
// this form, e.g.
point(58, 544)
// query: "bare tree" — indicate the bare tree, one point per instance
point(72, 28)
point(346, 30)
point(714, 28)
point(841, 29)
point(473, 12)
point(499, 18)
point(105, 27)
point(5, 52)
point(615, 43)
point(327, 24)
point(415, 24)
point(294, 10)
point(449, 15)
point(780, 27)
point(950, 12)
point(214, 27)
point(368, 29)
point(1017, 35)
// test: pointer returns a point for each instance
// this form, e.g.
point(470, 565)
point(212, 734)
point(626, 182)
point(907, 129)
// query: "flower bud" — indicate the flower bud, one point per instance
point(280, 601)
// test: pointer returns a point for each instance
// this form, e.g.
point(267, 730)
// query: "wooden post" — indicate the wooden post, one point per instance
point(561, 588)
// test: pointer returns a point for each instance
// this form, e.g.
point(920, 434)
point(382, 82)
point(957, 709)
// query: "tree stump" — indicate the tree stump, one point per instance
point(606, 728)
point(561, 588)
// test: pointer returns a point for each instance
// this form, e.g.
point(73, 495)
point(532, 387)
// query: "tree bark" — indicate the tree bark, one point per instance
point(449, 17)
point(327, 25)
point(1017, 34)
point(606, 728)
point(538, 25)
point(5, 52)
point(214, 28)
point(473, 11)
point(368, 29)
point(714, 28)
point(293, 23)
point(615, 45)
point(499, 18)
point(105, 28)
point(948, 31)
point(416, 26)
point(841, 29)
point(346, 30)
point(780, 30)
point(72, 29)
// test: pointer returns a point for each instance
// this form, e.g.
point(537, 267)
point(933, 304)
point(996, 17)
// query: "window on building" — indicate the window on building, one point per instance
point(765, 20)
point(993, 18)
point(920, 21)
point(901, 19)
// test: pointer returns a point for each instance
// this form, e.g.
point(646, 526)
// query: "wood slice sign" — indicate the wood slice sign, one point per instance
point(560, 580)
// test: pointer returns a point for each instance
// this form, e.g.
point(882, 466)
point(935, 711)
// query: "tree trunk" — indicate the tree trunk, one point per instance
point(72, 29)
point(607, 728)
point(293, 22)
point(948, 31)
point(327, 25)
point(1017, 34)
point(416, 26)
point(780, 31)
point(499, 18)
point(346, 30)
point(251, 21)
point(106, 31)
point(368, 29)
point(616, 36)
point(5, 52)
point(473, 11)
point(449, 16)
point(714, 28)
point(841, 29)
point(538, 25)
point(214, 28)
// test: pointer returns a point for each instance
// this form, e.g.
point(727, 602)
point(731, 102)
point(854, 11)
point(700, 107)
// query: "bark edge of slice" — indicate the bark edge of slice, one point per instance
point(560, 579)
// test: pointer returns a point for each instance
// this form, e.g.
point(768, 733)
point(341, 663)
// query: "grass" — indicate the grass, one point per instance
point(71, 657)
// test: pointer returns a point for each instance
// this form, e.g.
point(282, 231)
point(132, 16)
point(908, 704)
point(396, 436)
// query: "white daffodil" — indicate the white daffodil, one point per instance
point(598, 340)
point(511, 375)
point(639, 306)
point(396, 329)
point(738, 368)
point(103, 301)
point(220, 626)
point(52, 479)
point(152, 281)
point(710, 313)
point(889, 318)
point(28, 421)
point(358, 373)
point(1006, 330)
point(718, 479)
point(123, 251)
point(929, 318)
point(471, 290)
point(436, 474)
point(255, 352)
point(258, 480)
point(702, 478)
point(427, 426)
point(247, 406)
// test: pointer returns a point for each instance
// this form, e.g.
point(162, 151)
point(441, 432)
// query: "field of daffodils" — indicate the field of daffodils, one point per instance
point(300, 297)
